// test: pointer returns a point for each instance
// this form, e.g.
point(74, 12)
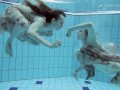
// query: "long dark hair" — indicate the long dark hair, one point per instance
point(44, 10)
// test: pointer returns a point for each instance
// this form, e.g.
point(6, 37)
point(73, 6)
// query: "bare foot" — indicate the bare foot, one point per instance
point(75, 75)
point(8, 49)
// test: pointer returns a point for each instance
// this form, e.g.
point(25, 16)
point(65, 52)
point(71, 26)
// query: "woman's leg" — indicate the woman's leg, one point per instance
point(3, 26)
point(76, 71)
point(21, 24)
point(15, 32)
point(116, 78)
point(90, 69)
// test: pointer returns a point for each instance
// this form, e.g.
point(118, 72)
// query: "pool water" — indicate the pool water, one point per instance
point(41, 68)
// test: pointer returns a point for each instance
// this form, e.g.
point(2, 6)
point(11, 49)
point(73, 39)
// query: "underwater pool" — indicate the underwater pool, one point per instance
point(41, 68)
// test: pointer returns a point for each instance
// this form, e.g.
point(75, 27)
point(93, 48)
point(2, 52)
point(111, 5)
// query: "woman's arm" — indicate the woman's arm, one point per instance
point(32, 33)
point(84, 26)
point(91, 38)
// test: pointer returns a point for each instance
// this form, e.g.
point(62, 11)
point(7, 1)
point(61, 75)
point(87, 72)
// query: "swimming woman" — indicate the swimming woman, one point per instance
point(28, 22)
point(92, 52)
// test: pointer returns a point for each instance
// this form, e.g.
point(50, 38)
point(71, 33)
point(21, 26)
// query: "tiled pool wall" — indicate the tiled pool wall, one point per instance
point(31, 62)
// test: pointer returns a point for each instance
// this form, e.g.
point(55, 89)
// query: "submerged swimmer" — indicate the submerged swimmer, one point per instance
point(28, 22)
point(92, 52)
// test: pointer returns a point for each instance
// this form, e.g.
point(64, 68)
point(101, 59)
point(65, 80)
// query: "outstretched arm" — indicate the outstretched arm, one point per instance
point(82, 60)
point(84, 26)
point(91, 38)
point(32, 33)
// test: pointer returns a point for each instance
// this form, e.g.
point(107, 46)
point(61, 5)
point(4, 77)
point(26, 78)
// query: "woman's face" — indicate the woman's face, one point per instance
point(58, 24)
point(81, 35)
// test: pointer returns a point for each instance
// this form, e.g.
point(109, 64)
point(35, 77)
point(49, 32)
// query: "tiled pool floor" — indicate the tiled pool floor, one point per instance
point(63, 83)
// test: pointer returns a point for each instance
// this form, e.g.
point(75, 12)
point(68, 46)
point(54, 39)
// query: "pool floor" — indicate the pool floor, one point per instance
point(62, 83)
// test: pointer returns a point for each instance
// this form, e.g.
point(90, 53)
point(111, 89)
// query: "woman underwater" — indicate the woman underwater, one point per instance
point(28, 22)
point(92, 54)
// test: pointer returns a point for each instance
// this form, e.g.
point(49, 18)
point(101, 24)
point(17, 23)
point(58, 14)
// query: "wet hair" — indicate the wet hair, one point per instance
point(86, 33)
point(44, 10)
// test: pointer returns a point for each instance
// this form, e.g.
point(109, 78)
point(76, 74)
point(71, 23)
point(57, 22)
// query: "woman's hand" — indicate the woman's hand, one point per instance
point(56, 44)
point(8, 49)
point(75, 75)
